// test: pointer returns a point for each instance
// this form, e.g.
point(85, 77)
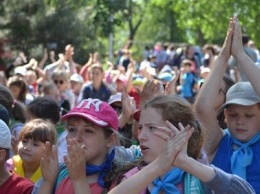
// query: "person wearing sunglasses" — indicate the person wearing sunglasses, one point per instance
point(61, 79)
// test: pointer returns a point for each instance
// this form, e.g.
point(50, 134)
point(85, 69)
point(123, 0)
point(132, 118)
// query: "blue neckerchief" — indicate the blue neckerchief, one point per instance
point(168, 182)
point(102, 169)
point(243, 155)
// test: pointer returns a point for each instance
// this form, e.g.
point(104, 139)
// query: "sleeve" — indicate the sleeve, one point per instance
point(127, 154)
point(37, 186)
point(27, 189)
point(8, 70)
point(227, 183)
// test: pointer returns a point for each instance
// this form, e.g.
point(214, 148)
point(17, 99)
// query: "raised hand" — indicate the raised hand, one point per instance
point(151, 89)
point(237, 46)
point(127, 104)
point(176, 140)
point(226, 48)
point(69, 52)
point(170, 87)
point(75, 160)
point(49, 163)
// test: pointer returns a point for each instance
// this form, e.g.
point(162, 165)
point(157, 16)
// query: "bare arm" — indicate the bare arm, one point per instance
point(44, 59)
point(204, 105)
point(251, 70)
point(163, 163)
point(49, 168)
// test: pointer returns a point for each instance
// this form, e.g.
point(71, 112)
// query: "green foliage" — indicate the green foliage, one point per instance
point(207, 21)
point(86, 24)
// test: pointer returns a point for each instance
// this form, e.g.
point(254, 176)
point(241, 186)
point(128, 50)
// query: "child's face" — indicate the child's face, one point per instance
point(30, 151)
point(92, 137)
point(117, 106)
point(75, 86)
point(243, 121)
point(15, 91)
point(187, 68)
point(119, 86)
point(55, 93)
point(31, 77)
point(150, 144)
point(96, 75)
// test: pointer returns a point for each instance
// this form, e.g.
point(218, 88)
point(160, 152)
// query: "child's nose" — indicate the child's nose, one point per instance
point(79, 136)
point(27, 147)
point(141, 135)
point(240, 121)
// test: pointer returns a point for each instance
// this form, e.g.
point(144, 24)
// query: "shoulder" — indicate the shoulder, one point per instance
point(130, 173)
point(20, 184)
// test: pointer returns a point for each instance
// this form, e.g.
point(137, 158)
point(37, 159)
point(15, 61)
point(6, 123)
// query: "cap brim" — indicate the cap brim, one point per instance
point(242, 102)
point(85, 116)
point(113, 101)
point(137, 115)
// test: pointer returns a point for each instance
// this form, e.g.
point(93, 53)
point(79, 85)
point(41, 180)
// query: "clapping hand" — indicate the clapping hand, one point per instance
point(176, 141)
point(75, 160)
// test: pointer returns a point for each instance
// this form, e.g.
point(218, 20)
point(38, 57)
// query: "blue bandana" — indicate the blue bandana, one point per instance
point(102, 169)
point(168, 182)
point(243, 155)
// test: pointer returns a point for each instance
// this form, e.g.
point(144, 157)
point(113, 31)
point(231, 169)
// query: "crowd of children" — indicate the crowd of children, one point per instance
point(66, 128)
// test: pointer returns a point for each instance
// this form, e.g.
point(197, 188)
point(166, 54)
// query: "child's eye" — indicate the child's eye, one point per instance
point(232, 115)
point(249, 116)
point(71, 129)
point(140, 128)
point(152, 128)
point(24, 141)
point(88, 131)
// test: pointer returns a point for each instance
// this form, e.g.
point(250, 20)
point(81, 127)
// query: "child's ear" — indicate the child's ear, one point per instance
point(112, 140)
point(2, 155)
point(225, 114)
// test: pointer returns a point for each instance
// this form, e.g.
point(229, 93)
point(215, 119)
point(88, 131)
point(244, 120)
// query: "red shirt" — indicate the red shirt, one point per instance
point(16, 184)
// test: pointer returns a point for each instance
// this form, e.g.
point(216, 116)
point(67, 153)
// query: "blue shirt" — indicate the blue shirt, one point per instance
point(102, 93)
point(222, 160)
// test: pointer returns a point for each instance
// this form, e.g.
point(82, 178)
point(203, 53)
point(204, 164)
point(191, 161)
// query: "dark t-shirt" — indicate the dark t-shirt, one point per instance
point(102, 94)
point(16, 184)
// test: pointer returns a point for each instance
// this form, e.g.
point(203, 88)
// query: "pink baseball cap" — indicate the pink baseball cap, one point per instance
point(95, 111)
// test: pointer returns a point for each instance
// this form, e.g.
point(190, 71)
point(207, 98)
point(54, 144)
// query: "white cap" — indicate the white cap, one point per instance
point(115, 98)
point(5, 136)
point(20, 70)
point(77, 78)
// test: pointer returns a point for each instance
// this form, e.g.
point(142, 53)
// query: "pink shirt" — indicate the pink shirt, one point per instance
point(66, 187)
point(135, 170)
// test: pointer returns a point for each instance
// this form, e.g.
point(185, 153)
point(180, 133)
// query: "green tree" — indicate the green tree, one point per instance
point(207, 21)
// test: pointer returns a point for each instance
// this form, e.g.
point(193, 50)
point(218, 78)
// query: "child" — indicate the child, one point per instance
point(40, 108)
point(10, 182)
point(171, 158)
point(92, 128)
point(236, 149)
point(96, 88)
point(16, 112)
point(187, 80)
point(32, 139)
point(19, 89)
